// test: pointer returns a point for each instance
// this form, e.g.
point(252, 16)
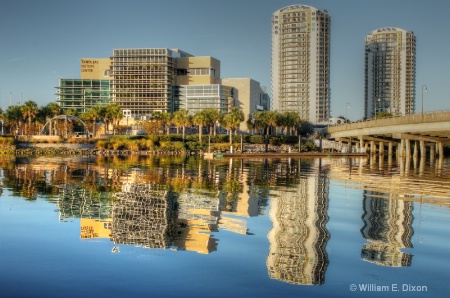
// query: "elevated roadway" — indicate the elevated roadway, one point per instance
point(409, 134)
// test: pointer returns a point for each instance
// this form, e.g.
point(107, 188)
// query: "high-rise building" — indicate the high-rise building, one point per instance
point(301, 62)
point(390, 72)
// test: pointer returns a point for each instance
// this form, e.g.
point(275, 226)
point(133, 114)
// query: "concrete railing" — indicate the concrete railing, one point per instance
point(438, 116)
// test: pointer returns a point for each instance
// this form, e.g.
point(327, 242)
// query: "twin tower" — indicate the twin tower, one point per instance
point(301, 66)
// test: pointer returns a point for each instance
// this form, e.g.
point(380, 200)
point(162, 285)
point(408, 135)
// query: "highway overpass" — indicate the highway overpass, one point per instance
point(406, 135)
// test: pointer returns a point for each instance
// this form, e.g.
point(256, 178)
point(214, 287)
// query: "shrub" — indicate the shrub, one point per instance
point(256, 139)
point(275, 141)
point(103, 144)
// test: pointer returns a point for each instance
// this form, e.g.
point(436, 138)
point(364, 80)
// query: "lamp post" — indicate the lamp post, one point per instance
point(346, 111)
point(426, 90)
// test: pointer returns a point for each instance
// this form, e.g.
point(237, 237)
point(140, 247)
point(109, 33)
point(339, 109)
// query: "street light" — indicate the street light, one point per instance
point(426, 90)
point(346, 111)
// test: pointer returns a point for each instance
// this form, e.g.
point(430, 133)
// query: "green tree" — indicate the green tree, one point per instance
point(29, 111)
point(13, 119)
point(305, 128)
point(114, 114)
point(232, 120)
point(71, 112)
point(164, 119)
point(290, 121)
point(214, 117)
point(92, 114)
point(50, 111)
point(200, 119)
point(181, 118)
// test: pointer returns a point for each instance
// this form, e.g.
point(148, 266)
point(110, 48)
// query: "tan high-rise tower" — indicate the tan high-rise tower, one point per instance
point(390, 72)
point(301, 62)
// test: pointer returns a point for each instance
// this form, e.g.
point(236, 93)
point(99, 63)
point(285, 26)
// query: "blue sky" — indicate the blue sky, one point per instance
point(44, 40)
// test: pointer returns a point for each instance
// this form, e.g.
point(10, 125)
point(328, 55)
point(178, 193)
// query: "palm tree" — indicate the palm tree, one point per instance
point(181, 118)
point(92, 114)
point(29, 111)
point(51, 110)
point(214, 117)
point(115, 114)
point(261, 121)
point(201, 119)
point(272, 117)
point(232, 120)
point(290, 121)
point(14, 117)
point(164, 119)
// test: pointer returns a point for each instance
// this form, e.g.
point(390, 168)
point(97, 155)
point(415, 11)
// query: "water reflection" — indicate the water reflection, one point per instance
point(299, 236)
point(180, 203)
point(387, 228)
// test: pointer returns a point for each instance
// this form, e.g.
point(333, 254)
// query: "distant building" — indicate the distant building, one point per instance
point(195, 98)
point(93, 89)
point(82, 94)
point(250, 96)
point(390, 72)
point(148, 80)
point(301, 62)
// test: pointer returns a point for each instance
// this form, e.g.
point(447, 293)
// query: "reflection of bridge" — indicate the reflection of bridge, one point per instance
point(405, 132)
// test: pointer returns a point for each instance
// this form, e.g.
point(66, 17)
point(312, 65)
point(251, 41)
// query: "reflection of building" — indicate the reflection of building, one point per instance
point(240, 199)
point(143, 214)
point(197, 217)
point(93, 228)
point(298, 238)
point(388, 228)
point(75, 201)
point(301, 62)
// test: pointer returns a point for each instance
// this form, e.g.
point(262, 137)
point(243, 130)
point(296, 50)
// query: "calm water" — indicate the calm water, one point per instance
point(177, 227)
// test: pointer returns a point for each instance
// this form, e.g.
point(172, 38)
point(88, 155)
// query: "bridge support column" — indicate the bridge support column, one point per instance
point(432, 153)
point(408, 148)
point(390, 148)
point(372, 147)
point(416, 148)
point(361, 143)
point(381, 148)
point(423, 149)
point(401, 148)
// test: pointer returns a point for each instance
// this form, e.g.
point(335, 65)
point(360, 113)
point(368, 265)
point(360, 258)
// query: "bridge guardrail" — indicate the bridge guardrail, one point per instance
point(435, 116)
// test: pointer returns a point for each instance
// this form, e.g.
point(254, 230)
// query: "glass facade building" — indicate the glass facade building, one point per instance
point(195, 98)
point(82, 94)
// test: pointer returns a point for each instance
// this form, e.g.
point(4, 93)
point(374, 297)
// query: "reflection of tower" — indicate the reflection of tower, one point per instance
point(387, 227)
point(143, 214)
point(298, 238)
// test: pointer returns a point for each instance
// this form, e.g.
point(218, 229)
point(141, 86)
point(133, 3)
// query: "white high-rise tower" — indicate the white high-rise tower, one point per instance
point(301, 62)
